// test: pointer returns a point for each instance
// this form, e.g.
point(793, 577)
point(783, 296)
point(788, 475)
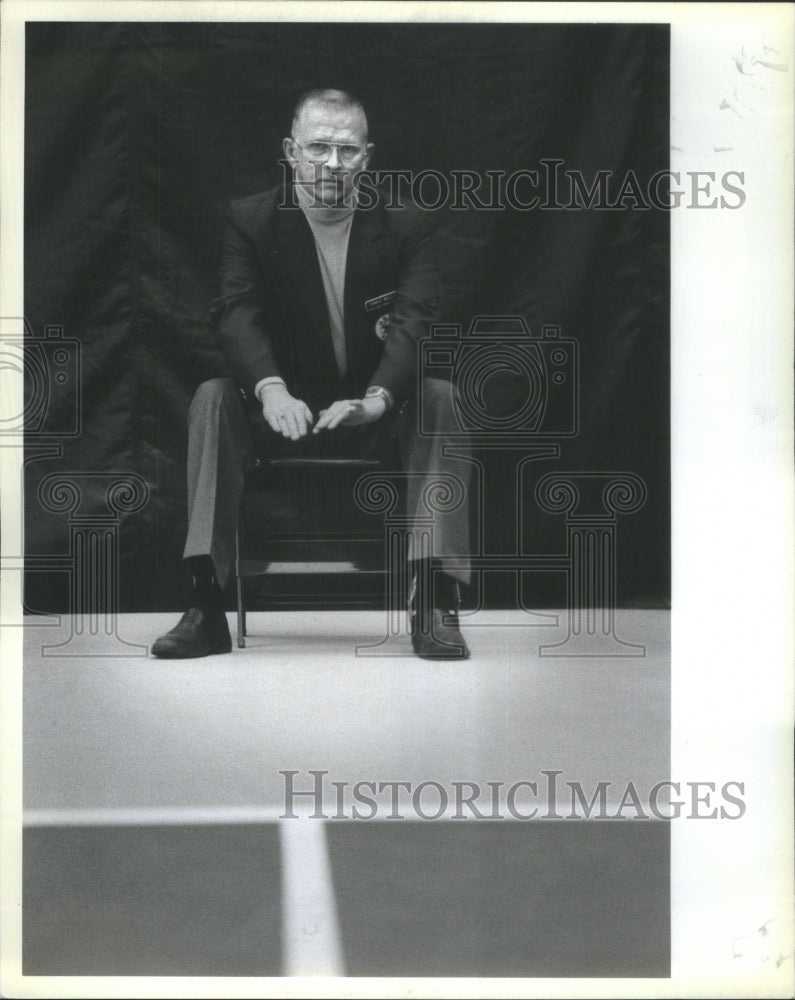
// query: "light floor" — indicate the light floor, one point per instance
point(160, 840)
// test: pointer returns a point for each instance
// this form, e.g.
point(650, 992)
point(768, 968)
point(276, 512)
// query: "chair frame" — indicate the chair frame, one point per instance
point(246, 568)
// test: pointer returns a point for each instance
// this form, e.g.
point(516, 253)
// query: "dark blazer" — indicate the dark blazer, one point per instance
point(270, 313)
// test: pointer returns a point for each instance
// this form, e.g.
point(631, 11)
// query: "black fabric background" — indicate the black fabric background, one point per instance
point(137, 134)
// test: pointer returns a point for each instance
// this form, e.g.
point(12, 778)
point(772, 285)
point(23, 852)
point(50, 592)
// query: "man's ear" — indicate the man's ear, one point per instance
point(289, 149)
point(368, 154)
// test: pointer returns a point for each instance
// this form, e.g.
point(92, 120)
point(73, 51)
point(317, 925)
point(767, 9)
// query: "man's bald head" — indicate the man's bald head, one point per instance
point(315, 102)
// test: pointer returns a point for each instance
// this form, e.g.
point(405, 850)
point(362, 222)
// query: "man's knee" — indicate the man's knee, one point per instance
point(210, 397)
point(439, 405)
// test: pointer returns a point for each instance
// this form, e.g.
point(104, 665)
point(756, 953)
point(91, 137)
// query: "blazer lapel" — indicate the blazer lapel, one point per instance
point(362, 271)
point(299, 257)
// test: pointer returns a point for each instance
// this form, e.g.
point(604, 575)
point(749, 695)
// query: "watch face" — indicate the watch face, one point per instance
point(382, 326)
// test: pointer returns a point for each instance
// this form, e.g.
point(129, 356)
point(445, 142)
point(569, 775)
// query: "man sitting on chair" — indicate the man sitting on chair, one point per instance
point(321, 306)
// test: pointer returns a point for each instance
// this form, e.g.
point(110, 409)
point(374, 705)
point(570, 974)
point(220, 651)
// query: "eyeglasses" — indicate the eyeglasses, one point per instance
point(319, 152)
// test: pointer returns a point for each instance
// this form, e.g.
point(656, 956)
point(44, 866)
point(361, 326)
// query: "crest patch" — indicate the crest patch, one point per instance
point(382, 326)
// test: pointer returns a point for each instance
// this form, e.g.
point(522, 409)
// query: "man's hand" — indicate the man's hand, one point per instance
point(350, 412)
point(287, 415)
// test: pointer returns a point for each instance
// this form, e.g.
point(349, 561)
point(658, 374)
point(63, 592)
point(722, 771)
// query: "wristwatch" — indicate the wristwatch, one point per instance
point(385, 394)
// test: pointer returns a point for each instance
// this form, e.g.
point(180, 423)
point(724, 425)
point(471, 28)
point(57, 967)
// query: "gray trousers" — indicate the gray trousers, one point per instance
point(222, 440)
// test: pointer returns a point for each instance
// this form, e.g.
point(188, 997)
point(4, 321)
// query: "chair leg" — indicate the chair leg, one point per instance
point(240, 594)
point(241, 613)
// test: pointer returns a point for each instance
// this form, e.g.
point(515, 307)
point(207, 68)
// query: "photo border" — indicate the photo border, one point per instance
point(731, 343)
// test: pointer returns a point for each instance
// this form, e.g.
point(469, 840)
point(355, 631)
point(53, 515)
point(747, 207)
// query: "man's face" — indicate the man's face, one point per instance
point(329, 180)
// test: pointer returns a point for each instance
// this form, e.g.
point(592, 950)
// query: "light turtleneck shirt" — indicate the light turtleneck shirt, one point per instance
point(331, 228)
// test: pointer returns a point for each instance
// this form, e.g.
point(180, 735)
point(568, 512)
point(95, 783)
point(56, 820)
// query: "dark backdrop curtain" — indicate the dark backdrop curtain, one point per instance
point(137, 135)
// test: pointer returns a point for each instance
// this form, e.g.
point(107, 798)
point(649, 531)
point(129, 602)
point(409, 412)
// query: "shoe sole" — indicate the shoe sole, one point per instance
point(452, 653)
point(168, 654)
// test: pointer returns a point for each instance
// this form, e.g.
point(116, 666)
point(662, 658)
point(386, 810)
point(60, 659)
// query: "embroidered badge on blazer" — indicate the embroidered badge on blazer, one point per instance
point(382, 326)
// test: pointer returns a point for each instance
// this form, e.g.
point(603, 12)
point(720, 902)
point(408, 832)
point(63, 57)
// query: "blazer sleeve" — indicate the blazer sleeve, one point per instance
point(239, 310)
point(414, 309)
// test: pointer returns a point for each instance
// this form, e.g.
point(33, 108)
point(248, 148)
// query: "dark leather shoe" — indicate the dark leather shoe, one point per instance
point(435, 632)
point(198, 633)
point(442, 640)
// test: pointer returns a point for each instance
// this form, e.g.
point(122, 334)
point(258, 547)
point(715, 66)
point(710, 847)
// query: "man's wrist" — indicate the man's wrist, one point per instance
point(265, 382)
point(381, 393)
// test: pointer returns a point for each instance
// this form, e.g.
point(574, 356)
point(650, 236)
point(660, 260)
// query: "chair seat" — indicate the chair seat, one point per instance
point(251, 567)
